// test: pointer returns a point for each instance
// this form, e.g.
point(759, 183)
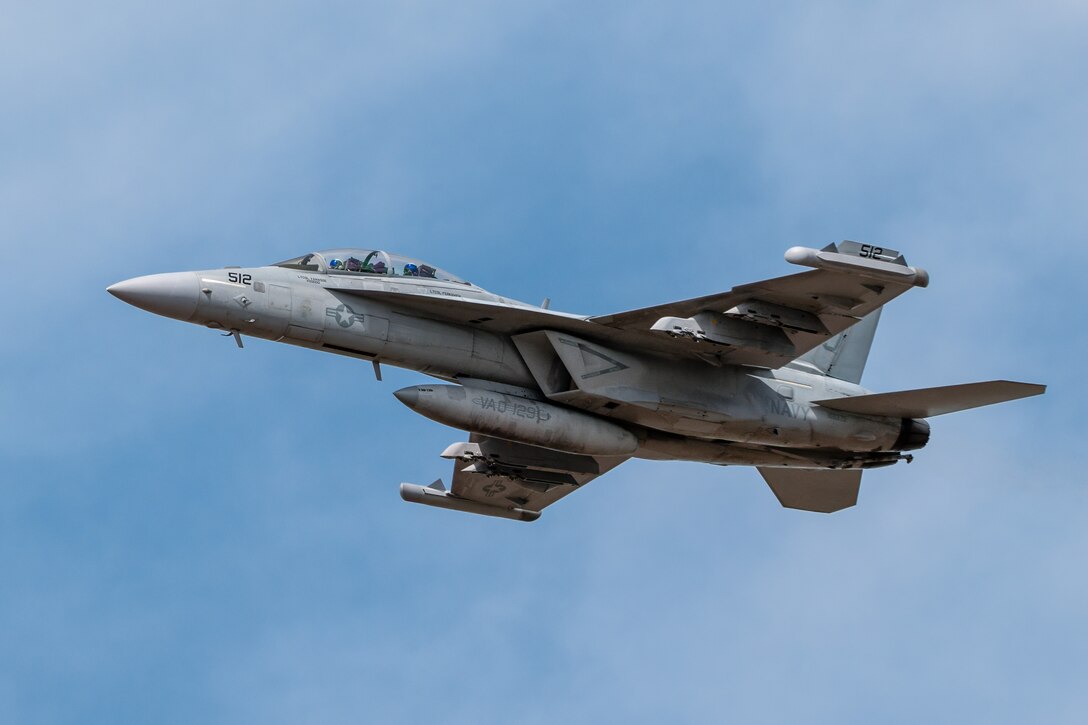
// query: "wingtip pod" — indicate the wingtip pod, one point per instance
point(440, 498)
point(864, 259)
point(803, 256)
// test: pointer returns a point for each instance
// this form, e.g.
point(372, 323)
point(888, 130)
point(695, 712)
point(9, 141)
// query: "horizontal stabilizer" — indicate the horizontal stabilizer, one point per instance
point(928, 402)
point(823, 491)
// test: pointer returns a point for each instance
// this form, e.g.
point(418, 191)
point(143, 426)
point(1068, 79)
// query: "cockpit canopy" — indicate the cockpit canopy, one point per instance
point(369, 262)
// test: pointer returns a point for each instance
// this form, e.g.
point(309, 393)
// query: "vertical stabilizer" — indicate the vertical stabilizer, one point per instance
point(844, 355)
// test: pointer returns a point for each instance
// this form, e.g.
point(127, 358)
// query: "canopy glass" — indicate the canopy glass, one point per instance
point(368, 262)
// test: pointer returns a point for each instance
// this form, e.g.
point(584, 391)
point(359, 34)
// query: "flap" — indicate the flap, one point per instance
point(821, 490)
point(927, 402)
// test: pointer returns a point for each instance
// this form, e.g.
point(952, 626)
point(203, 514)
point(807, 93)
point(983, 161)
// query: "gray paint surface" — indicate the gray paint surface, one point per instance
point(766, 374)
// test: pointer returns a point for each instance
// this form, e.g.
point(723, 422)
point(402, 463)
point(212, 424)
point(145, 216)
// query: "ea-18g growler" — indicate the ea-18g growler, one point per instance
point(767, 374)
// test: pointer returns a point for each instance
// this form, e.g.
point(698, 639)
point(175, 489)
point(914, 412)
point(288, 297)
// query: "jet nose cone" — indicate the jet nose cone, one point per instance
point(408, 396)
point(170, 295)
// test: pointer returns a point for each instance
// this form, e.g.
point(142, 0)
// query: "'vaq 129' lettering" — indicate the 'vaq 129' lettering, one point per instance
point(518, 410)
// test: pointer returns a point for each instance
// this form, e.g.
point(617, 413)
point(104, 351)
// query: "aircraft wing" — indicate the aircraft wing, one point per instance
point(773, 322)
point(767, 324)
point(494, 477)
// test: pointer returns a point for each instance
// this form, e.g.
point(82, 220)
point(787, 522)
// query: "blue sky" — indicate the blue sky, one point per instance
point(189, 532)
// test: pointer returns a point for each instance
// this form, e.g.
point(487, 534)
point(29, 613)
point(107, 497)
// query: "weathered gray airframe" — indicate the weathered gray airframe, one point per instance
point(764, 375)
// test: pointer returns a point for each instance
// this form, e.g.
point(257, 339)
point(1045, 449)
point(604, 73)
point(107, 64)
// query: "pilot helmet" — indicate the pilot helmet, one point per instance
point(411, 270)
point(335, 263)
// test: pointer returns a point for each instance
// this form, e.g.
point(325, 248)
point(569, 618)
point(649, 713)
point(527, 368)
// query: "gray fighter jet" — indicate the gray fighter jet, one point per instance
point(765, 375)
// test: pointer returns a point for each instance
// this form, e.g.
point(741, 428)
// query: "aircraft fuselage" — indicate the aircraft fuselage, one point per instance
point(677, 409)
